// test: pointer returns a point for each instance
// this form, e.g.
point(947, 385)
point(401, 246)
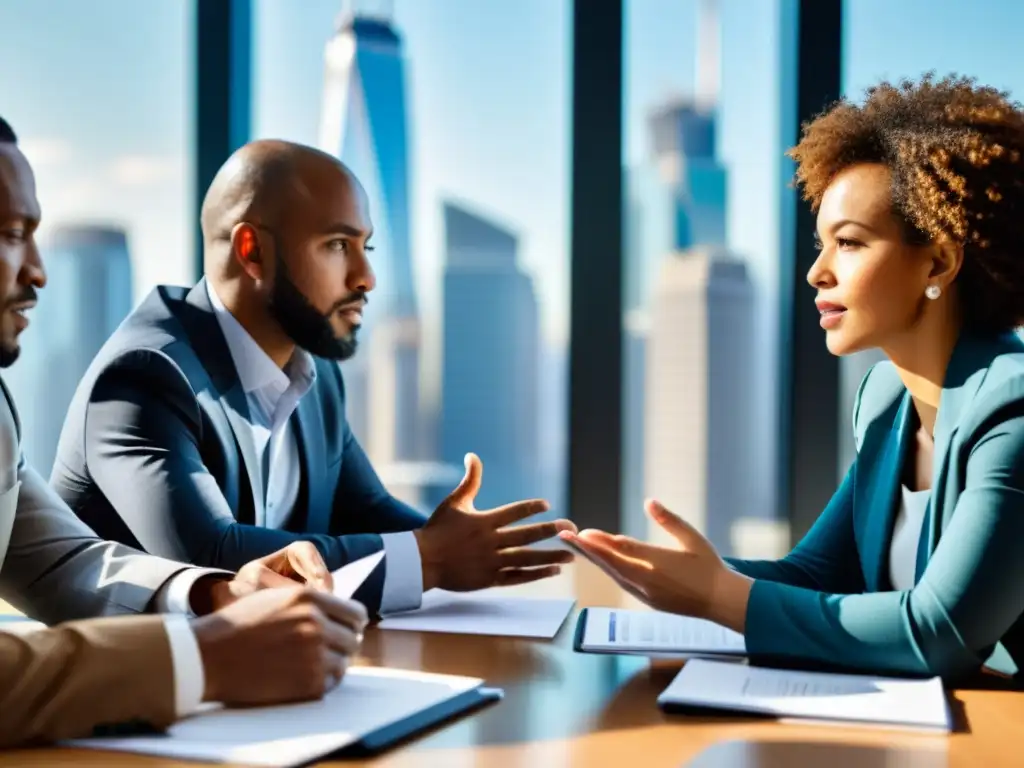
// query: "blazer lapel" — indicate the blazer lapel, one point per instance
point(882, 492)
point(310, 435)
point(211, 348)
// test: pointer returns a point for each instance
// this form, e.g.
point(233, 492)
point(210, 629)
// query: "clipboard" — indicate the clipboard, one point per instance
point(372, 743)
point(581, 628)
point(381, 708)
point(715, 646)
point(416, 725)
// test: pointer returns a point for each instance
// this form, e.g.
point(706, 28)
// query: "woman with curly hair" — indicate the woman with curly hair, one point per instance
point(916, 566)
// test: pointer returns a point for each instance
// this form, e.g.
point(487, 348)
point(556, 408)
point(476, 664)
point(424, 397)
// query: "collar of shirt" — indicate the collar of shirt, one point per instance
point(261, 379)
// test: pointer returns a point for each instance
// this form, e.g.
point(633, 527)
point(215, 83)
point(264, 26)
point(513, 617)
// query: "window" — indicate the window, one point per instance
point(101, 103)
point(704, 186)
point(454, 116)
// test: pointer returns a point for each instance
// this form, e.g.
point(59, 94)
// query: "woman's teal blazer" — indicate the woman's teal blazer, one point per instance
point(830, 600)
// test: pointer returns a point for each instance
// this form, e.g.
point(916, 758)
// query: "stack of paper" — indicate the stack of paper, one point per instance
point(812, 696)
point(382, 705)
point(488, 612)
point(652, 633)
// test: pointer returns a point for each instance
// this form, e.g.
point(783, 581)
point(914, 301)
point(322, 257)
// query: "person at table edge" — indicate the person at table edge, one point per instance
point(916, 566)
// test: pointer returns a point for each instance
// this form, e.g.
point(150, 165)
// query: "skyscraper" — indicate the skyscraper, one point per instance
point(364, 123)
point(683, 139)
point(489, 401)
point(88, 294)
point(689, 329)
point(699, 393)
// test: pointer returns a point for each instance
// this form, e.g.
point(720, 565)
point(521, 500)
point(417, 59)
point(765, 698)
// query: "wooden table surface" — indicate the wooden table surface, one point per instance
point(567, 709)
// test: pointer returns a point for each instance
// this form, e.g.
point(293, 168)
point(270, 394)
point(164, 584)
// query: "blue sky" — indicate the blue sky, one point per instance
point(100, 91)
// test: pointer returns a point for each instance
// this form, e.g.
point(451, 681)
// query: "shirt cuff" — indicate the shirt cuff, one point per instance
point(403, 573)
point(175, 594)
point(187, 663)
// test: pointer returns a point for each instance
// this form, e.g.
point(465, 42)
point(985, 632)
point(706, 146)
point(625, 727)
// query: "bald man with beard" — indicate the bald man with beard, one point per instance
point(211, 427)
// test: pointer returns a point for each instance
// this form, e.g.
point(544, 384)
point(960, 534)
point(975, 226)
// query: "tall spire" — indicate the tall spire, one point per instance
point(709, 65)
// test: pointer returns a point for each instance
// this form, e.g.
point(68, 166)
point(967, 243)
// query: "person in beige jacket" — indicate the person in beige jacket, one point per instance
point(271, 633)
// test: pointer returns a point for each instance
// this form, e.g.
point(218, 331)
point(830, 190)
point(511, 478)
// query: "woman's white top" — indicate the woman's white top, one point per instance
point(905, 535)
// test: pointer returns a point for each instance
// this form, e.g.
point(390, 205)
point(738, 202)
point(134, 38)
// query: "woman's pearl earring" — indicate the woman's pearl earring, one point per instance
point(933, 292)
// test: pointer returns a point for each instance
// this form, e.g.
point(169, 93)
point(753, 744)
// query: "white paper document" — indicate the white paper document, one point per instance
point(367, 700)
point(612, 630)
point(349, 578)
point(487, 612)
point(816, 696)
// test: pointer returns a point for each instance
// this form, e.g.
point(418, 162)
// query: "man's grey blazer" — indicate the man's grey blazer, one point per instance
point(157, 451)
point(55, 569)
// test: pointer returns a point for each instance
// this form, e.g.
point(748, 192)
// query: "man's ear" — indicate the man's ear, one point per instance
point(947, 259)
point(245, 248)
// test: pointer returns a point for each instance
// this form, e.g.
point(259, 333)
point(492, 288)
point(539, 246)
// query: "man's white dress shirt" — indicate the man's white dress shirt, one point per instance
point(272, 395)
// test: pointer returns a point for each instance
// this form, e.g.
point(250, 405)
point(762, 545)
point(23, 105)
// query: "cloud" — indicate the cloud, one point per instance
point(45, 151)
point(145, 170)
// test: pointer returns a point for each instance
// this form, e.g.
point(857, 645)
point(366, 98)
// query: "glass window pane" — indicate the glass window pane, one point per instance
point(461, 141)
point(102, 107)
point(705, 182)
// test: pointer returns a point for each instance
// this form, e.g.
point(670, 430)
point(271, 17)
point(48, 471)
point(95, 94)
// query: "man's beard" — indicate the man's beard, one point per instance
point(9, 351)
point(309, 328)
point(9, 354)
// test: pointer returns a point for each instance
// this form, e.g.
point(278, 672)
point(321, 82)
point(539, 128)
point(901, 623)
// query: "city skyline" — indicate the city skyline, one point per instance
point(690, 330)
point(112, 144)
point(135, 162)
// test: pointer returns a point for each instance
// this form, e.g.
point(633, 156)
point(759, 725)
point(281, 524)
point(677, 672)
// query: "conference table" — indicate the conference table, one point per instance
point(563, 708)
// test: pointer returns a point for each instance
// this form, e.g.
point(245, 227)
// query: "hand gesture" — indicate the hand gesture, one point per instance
point(681, 580)
point(463, 548)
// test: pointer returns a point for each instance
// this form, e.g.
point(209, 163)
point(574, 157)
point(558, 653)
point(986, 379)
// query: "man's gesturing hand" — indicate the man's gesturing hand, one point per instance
point(278, 645)
point(463, 548)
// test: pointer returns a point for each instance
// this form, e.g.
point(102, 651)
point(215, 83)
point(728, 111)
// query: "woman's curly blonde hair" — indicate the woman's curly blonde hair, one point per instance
point(956, 154)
